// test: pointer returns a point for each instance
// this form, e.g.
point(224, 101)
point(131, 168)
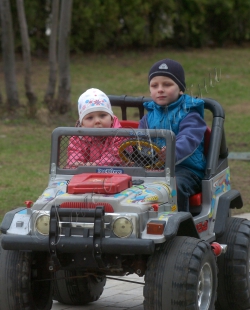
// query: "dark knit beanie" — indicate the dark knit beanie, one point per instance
point(171, 69)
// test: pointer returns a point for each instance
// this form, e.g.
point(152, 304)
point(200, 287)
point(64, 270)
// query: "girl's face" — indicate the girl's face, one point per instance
point(98, 119)
point(164, 91)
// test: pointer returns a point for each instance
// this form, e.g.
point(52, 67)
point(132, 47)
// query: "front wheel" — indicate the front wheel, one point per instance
point(25, 281)
point(182, 274)
point(75, 288)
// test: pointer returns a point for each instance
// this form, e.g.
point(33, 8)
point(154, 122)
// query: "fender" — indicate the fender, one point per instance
point(181, 224)
point(230, 200)
point(8, 218)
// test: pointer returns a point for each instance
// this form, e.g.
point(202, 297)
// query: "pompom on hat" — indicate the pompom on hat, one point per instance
point(171, 69)
point(93, 100)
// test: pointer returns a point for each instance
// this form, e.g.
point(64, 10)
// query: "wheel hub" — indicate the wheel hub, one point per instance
point(205, 287)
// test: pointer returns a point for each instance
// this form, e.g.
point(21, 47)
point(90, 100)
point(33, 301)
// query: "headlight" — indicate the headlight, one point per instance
point(122, 227)
point(42, 224)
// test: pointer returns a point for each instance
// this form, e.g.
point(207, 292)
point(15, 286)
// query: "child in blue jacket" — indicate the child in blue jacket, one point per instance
point(171, 109)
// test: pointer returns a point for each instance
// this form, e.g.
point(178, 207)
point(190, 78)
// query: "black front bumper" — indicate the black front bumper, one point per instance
point(96, 245)
point(78, 245)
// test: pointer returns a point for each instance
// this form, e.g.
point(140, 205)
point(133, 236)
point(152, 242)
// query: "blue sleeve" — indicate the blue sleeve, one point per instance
point(143, 123)
point(191, 132)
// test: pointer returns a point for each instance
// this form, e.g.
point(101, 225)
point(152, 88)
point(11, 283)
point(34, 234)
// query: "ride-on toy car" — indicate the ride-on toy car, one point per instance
point(121, 217)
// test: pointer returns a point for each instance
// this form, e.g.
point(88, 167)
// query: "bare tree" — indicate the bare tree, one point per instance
point(8, 56)
point(63, 57)
point(26, 59)
point(50, 92)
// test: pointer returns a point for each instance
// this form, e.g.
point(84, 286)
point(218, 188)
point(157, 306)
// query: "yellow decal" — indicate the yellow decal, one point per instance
point(151, 198)
point(174, 208)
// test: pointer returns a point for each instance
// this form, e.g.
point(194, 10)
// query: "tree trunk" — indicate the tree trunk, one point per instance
point(63, 57)
point(50, 92)
point(8, 57)
point(26, 59)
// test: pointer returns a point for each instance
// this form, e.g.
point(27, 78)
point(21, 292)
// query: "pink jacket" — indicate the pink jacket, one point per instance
point(101, 151)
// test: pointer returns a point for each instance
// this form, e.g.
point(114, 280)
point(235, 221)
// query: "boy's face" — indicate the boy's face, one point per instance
point(97, 119)
point(163, 90)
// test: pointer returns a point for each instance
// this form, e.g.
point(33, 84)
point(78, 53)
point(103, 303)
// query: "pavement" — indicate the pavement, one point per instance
point(118, 295)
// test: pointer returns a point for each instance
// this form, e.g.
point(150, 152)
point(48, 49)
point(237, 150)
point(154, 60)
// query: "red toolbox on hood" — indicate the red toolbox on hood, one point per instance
point(99, 183)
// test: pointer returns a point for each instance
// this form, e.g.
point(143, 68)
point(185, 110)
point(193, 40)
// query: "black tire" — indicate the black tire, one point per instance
point(175, 275)
point(233, 277)
point(73, 288)
point(20, 289)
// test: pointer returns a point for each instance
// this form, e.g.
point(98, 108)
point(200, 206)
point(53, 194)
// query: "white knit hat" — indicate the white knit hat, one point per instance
point(91, 101)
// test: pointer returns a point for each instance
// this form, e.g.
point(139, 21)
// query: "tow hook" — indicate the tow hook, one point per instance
point(218, 248)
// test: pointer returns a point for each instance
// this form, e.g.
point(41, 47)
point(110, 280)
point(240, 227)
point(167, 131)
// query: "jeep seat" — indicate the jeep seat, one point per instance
point(195, 201)
point(129, 124)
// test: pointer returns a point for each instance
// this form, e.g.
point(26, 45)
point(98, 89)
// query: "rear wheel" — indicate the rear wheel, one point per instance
point(234, 266)
point(182, 274)
point(73, 288)
point(25, 281)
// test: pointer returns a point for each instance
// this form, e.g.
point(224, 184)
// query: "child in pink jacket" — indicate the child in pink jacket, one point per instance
point(95, 111)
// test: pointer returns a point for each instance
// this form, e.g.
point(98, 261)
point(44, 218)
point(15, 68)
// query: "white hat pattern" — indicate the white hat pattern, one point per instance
point(93, 100)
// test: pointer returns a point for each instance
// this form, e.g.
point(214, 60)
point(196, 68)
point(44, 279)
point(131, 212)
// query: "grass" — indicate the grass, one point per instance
point(25, 144)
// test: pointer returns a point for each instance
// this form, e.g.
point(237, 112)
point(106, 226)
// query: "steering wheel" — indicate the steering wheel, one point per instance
point(142, 153)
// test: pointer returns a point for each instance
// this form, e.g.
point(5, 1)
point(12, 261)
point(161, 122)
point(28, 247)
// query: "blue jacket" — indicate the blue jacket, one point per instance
point(185, 118)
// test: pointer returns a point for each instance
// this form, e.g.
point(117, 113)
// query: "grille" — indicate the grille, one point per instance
point(87, 205)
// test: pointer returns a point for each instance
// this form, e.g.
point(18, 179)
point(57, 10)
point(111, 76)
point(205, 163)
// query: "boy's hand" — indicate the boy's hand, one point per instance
point(162, 155)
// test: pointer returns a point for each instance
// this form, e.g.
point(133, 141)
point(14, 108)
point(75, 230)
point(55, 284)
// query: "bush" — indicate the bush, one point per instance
point(110, 24)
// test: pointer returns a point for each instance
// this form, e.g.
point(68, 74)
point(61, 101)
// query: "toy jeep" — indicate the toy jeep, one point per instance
point(121, 217)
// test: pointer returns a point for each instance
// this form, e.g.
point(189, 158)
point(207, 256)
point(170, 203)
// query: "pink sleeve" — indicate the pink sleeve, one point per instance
point(110, 155)
point(77, 150)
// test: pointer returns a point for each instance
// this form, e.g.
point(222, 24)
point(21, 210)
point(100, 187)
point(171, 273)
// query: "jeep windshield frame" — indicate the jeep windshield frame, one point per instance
point(59, 133)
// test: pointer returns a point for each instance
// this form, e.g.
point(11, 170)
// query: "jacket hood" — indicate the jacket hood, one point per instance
point(116, 123)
